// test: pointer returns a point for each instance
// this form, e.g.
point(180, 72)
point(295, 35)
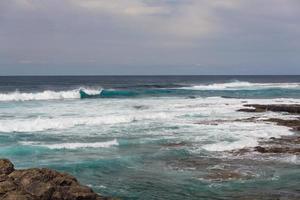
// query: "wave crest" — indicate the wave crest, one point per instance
point(48, 95)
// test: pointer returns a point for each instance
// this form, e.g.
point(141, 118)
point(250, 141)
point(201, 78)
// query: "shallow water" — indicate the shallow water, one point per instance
point(151, 137)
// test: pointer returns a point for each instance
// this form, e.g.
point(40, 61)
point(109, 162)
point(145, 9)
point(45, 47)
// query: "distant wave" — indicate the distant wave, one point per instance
point(238, 85)
point(49, 95)
point(75, 145)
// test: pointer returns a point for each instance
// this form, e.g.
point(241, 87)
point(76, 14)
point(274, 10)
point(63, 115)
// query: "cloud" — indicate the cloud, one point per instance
point(122, 7)
point(217, 34)
point(188, 18)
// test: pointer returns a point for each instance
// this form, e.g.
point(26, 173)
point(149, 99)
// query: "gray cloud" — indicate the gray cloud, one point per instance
point(149, 37)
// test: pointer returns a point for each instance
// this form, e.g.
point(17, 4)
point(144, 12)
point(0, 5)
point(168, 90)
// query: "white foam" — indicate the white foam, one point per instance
point(91, 91)
point(60, 123)
point(47, 95)
point(227, 146)
point(238, 135)
point(172, 118)
point(42, 124)
point(75, 145)
point(237, 85)
point(294, 159)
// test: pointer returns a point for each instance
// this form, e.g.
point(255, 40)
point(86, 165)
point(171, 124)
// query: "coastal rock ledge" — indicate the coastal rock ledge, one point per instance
point(41, 184)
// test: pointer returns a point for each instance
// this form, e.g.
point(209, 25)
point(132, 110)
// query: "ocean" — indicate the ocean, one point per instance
point(152, 137)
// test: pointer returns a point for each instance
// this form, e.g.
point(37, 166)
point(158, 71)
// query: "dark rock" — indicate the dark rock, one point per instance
point(41, 184)
point(6, 167)
point(293, 123)
point(284, 140)
point(260, 149)
point(18, 195)
point(274, 149)
point(290, 108)
point(7, 186)
point(284, 144)
point(250, 110)
point(191, 97)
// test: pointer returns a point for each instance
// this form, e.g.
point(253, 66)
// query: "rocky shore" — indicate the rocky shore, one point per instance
point(41, 184)
point(289, 108)
point(286, 144)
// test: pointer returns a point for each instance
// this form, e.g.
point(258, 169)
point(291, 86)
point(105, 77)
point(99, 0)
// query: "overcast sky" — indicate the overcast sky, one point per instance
point(123, 37)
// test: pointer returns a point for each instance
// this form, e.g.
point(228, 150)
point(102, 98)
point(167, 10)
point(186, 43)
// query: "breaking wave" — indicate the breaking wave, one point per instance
point(50, 95)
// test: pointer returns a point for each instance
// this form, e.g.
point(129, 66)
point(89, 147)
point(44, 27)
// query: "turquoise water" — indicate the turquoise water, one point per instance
point(164, 138)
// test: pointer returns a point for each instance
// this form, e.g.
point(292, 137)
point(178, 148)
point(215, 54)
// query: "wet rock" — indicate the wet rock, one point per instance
point(284, 140)
point(290, 108)
point(274, 149)
point(41, 184)
point(213, 122)
point(226, 175)
point(239, 152)
point(294, 123)
point(251, 110)
point(260, 149)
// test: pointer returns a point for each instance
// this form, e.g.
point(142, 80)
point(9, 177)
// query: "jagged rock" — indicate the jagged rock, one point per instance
point(41, 184)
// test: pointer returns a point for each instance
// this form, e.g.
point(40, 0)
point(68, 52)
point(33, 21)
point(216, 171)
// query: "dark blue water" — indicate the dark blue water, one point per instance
point(139, 86)
point(23, 83)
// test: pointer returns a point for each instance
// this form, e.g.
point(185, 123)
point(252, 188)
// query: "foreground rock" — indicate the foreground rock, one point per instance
point(290, 108)
point(41, 184)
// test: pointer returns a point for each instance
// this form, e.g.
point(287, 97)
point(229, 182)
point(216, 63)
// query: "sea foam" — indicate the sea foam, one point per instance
point(60, 123)
point(75, 145)
point(242, 85)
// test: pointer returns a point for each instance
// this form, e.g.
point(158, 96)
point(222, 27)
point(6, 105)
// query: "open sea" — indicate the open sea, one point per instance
point(151, 137)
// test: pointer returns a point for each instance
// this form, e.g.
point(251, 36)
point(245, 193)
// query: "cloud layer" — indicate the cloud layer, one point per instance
point(149, 37)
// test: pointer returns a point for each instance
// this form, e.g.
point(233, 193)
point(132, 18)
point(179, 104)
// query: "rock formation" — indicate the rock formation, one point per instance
point(290, 108)
point(41, 184)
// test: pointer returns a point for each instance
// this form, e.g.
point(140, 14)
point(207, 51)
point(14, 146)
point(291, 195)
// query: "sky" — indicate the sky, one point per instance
point(149, 37)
